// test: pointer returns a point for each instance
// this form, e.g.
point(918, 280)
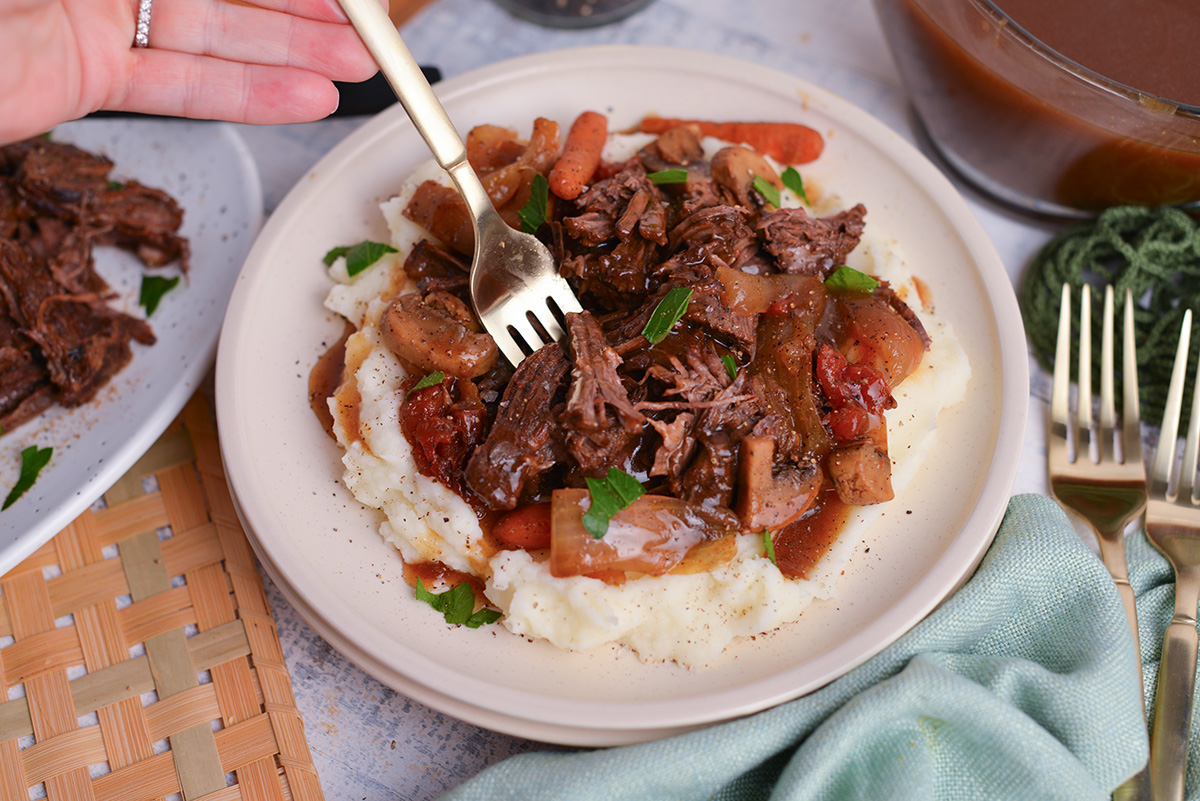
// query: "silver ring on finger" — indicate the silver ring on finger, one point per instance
point(141, 38)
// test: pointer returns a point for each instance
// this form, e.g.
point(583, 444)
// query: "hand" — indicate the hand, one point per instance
point(271, 62)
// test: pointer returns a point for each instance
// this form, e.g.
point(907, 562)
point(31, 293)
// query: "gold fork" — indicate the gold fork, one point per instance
point(1110, 492)
point(1173, 526)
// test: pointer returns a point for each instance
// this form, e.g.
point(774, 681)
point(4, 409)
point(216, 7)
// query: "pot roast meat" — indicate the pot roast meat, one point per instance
point(140, 219)
point(811, 245)
point(60, 341)
point(723, 231)
point(58, 178)
point(599, 420)
point(25, 386)
point(83, 341)
point(709, 481)
point(436, 269)
point(522, 443)
point(750, 434)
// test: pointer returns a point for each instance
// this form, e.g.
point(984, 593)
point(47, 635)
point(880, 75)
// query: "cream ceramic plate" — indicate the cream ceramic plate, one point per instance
point(323, 549)
point(208, 169)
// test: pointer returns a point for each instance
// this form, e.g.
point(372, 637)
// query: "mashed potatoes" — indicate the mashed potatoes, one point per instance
point(689, 619)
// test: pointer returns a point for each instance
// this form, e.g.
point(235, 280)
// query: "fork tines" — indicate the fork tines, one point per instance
point(1065, 424)
point(1164, 456)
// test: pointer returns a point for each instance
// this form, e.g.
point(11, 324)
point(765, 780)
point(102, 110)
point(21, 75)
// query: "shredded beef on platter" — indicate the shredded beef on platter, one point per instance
point(61, 339)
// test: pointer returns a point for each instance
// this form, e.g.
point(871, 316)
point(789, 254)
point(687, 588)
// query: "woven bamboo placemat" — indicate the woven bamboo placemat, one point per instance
point(138, 655)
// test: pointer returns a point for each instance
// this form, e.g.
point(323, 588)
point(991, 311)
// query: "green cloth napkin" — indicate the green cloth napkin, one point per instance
point(1021, 685)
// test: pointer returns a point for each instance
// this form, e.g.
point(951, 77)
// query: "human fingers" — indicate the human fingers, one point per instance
point(203, 87)
point(253, 35)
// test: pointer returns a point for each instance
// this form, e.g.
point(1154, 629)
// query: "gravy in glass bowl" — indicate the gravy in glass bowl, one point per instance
point(1059, 108)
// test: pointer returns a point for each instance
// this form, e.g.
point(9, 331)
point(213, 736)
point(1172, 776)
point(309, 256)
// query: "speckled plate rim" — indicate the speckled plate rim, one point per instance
point(318, 541)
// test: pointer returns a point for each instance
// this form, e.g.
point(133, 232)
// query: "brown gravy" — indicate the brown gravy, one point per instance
point(800, 545)
point(1150, 45)
point(1011, 123)
point(325, 377)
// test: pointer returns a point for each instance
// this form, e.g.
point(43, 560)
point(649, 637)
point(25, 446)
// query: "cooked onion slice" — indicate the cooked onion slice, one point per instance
point(876, 335)
point(650, 536)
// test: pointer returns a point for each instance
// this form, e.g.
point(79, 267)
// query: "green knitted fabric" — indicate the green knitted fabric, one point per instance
point(1155, 252)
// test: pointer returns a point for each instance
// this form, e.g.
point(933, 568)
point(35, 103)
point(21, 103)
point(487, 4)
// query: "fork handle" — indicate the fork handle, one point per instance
point(1125, 590)
point(1173, 708)
point(379, 34)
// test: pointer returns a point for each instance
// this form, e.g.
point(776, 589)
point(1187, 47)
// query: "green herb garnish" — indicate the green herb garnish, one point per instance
point(115, 185)
point(792, 180)
point(33, 459)
point(457, 605)
point(358, 257)
point(730, 365)
point(534, 213)
point(767, 189)
point(848, 279)
point(431, 380)
point(666, 314)
point(609, 496)
point(769, 545)
point(153, 289)
point(672, 176)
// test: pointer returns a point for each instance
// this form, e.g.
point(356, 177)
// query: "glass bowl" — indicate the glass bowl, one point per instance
point(1031, 127)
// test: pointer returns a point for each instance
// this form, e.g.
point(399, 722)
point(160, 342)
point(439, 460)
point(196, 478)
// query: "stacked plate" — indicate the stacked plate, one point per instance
point(323, 550)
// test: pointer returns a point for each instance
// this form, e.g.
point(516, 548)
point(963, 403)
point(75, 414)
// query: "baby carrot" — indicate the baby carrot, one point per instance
point(525, 527)
point(786, 142)
point(580, 156)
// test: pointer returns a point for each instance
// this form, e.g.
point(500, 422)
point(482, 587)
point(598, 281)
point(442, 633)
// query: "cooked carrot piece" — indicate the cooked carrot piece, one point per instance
point(786, 142)
point(525, 527)
point(580, 156)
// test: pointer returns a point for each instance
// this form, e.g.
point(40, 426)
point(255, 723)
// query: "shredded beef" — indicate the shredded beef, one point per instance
point(599, 419)
point(60, 341)
point(811, 245)
point(673, 413)
point(522, 443)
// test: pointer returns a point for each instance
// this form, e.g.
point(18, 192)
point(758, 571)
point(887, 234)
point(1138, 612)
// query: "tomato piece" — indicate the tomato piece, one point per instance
point(857, 393)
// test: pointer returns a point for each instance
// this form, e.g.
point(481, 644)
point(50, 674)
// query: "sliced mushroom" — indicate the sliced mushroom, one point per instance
point(735, 168)
point(438, 332)
point(861, 473)
point(768, 499)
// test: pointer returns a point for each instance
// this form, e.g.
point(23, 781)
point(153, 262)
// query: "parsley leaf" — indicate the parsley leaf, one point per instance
point(33, 459)
point(334, 254)
point(116, 186)
point(609, 496)
point(848, 279)
point(358, 257)
point(730, 365)
point(534, 213)
point(671, 176)
point(666, 314)
point(153, 289)
point(793, 181)
point(430, 380)
point(457, 606)
point(767, 189)
point(769, 545)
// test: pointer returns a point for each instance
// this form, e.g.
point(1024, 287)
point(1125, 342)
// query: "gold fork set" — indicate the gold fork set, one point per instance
point(1105, 484)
